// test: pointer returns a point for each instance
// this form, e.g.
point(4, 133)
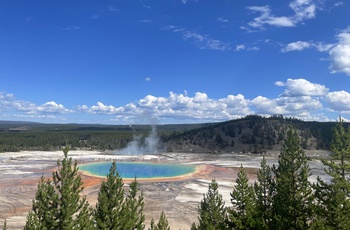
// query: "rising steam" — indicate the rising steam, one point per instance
point(150, 146)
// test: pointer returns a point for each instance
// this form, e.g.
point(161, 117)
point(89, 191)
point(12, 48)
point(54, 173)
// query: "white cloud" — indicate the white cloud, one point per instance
point(294, 105)
point(340, 54)
point(298, 45)
point(302, 87)
point(266, 18)
point(52, 107)
point(179, 107)
point(202, 41)
point(147, 79)
point(301, 99)
point(111, 8)
point(301, 45)
point(240, 47)
point(291, 106)
point(145, 20)
point(103, 109)
point(8, 102)
point(71, 27)
point(185, 1)
point(265, 106)
point(280, 83)
point(339, 100)
point(302, 9)
point(223, 20)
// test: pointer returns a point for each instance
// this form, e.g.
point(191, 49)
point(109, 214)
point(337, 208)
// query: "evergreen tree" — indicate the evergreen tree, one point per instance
point(332, 197)
point(133, 212)
point(264, 191)
point(243, 201)
point(212, 211)
point(44, 207)
point(292, 202)
point(73, 209)
point(110, 202)
point(57, 203)
point(162, 223)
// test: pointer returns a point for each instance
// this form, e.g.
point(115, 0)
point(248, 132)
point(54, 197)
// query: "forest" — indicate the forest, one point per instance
point(253, 133)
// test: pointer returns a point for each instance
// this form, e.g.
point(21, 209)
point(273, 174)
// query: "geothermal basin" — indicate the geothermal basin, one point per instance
point(178, 196)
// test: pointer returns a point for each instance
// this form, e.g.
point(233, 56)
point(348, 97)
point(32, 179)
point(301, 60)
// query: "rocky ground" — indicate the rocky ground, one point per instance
point(177, 197)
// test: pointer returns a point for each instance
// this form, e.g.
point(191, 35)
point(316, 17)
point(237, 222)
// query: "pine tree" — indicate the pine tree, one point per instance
point(57, 203)
point(44, 207)
point(73, 209)
point(162, 223)
point(292, 202)
point(212, 211)
point(110, 202)
point(133, 211)
point(243, 202)
point(332, 198)
point(264, 191)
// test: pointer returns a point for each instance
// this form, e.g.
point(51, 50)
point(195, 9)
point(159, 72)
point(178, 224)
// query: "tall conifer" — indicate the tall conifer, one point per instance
point(110, 202)
point(333, 197)
point(264, 191)
point(57, 203)
point(133, 211)
point(243, 201)
point(212, 211)
point(44, 207)
point(292, 202)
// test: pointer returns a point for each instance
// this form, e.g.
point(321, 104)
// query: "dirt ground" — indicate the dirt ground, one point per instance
point(178, 197)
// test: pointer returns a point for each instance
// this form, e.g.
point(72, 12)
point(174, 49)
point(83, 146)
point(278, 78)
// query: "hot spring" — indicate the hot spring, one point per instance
point(139, 170)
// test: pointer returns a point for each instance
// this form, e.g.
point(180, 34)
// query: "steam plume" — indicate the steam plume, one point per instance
point(150, 146)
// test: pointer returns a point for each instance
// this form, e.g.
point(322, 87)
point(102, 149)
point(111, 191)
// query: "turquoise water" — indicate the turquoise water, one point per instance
point(140, 170)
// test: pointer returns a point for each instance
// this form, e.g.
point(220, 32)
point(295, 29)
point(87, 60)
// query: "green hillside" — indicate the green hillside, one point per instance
point(253, 134)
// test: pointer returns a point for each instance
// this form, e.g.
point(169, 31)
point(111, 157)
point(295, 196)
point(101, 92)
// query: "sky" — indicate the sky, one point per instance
point(173, 61)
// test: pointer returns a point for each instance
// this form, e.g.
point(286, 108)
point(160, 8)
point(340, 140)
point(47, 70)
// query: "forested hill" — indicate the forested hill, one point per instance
point(253, 134)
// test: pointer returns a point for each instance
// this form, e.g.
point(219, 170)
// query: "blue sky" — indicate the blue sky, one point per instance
point(173, 61)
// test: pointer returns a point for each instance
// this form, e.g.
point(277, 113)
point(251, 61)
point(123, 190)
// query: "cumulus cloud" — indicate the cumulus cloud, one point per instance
point(8, 102)
point(52, 107)
point(302, 9)
point(179, 106)
point(339, 101)
point(340, 54)
point(301, 99)
point(290, 106)
point(298, 45)
point(302, 87)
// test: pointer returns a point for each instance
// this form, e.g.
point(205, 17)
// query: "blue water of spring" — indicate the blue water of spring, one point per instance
point(139, 170)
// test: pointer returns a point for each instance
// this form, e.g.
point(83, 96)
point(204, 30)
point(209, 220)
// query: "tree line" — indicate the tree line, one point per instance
point(281, 198)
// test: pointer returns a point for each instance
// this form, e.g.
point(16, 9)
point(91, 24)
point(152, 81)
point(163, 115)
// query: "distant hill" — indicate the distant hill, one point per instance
point(253, 134)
